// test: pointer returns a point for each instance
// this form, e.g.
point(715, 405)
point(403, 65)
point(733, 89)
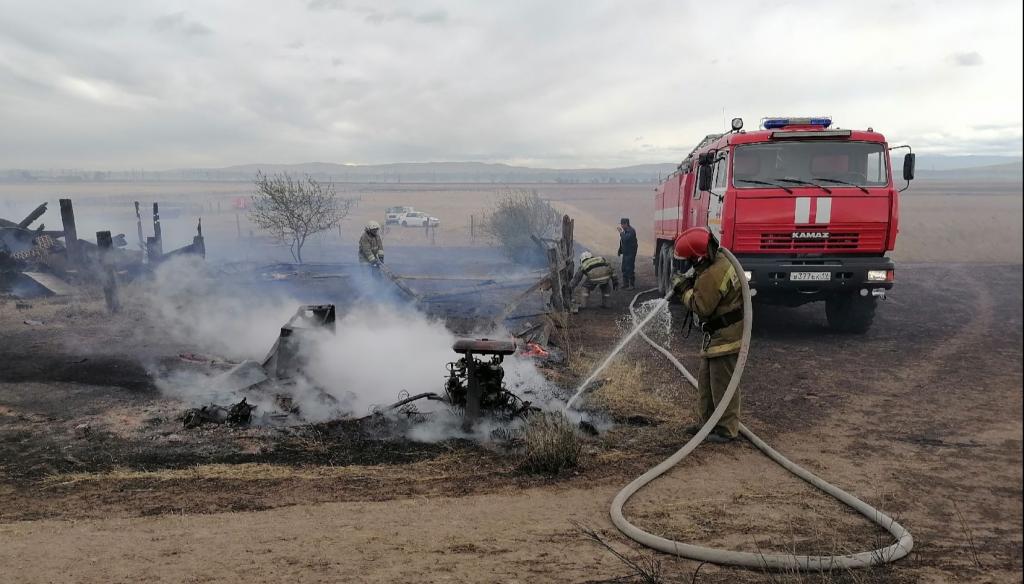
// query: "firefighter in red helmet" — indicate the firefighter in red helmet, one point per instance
point(711, 289)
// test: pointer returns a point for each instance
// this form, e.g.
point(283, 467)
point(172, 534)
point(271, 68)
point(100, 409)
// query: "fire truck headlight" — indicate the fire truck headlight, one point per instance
point(748, 275)
point(878, 275)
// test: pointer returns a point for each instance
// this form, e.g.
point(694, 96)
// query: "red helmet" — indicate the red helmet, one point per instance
point(693, 243)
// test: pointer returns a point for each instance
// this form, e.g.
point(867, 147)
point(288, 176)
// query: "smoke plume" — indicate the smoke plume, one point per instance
point(379, 351)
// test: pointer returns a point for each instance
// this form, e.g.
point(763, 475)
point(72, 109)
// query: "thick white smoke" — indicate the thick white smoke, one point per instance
point(378, 351)
point(191, 304)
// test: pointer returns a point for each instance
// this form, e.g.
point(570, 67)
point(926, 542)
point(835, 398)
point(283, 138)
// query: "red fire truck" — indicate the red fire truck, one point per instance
point(809, 210)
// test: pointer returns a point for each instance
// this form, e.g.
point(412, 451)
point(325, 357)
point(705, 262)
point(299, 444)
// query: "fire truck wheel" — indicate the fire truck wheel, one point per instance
point(850, 313)
point(664, 269)
point(659, 270)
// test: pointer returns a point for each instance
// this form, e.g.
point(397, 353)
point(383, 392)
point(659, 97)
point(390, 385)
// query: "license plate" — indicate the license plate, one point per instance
point(810, 276)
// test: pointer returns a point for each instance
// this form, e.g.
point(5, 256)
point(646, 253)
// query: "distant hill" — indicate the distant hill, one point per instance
point(940, 162)
point(411, 172)
point(1006, 172)
point(455, 172)
point(976, 168)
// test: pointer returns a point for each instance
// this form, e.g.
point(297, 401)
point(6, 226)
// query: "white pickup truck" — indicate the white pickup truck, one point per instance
point(419, 219)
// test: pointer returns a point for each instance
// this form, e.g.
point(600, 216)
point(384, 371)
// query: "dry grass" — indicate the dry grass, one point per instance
point(595, 224)
point(77, 308)
point(646, 569)
point(438, 468)
point(552, 444)
point(625, 393)
point(827, 539)
point(935, 227)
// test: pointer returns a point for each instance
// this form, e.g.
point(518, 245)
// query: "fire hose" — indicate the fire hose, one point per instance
point(769, 561)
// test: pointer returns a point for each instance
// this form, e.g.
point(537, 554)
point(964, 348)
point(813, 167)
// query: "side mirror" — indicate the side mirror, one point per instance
point(706, 158)
point(704, 176)
point(908, 166)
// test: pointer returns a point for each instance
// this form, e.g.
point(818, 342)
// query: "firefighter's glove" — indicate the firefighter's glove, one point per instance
point(380, 257)
point(683, 282)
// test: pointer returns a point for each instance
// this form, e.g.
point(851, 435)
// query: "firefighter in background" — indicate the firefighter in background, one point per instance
point(711, 290)
point(627, 249)
point(594, 272)
point(371, 247)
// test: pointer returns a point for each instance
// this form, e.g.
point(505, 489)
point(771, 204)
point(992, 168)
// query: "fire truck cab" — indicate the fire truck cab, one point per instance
point(810, 211)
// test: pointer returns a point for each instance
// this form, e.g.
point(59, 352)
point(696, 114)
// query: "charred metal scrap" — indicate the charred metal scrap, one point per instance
point(239, 414)
point(271, 378)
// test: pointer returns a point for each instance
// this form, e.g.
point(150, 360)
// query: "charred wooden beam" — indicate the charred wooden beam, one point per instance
point(105, 243)
point(67, 216)
point(138, 225)
point(31, 217)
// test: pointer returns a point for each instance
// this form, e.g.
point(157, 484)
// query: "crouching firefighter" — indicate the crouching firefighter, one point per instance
point(371, 248)
point(594, 272)
point(712, 292)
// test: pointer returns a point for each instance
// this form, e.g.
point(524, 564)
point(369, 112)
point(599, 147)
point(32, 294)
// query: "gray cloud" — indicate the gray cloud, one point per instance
point(328, 5)
point(178, 22)
point(531, 82)
point(376, 16)
point(966, 59)
point(430, 17)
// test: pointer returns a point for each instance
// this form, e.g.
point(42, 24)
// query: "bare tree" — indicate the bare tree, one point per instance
point(293, 209)
point(516, 218)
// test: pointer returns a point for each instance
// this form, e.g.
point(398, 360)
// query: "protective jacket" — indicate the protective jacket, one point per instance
point(595, 269)
point(371, 248)
point(716, 297)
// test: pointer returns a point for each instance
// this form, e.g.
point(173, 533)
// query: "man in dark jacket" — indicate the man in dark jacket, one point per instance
point(627, 249)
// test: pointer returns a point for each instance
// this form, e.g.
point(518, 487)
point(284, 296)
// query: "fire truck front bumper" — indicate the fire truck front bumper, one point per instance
point(806, 279)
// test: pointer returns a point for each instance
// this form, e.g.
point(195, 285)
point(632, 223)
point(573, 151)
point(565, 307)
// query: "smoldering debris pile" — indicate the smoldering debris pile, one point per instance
point(40, 262)
point(318, 371)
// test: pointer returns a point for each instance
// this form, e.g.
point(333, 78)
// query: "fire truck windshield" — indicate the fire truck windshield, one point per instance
point(838, 164)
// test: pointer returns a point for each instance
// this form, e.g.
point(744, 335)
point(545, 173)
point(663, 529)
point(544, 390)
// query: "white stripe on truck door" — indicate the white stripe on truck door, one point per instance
point(803, 210)
point(667, 214)
point(823, 213)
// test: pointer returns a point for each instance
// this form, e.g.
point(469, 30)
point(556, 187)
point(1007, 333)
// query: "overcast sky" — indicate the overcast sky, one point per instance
point(118, 84)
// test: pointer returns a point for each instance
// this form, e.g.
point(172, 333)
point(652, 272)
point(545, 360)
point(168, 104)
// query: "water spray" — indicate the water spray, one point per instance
point(637, 328)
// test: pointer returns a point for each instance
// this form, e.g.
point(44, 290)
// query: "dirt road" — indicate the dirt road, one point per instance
point(922, 417)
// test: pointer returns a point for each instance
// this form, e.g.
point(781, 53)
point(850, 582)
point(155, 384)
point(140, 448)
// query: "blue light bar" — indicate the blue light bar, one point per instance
point(776, 123)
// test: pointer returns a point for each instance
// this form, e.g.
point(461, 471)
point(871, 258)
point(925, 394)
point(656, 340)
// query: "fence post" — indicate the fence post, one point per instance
point(138, 227)
point(67, 216)
point(557, 285)
point(106, 244)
